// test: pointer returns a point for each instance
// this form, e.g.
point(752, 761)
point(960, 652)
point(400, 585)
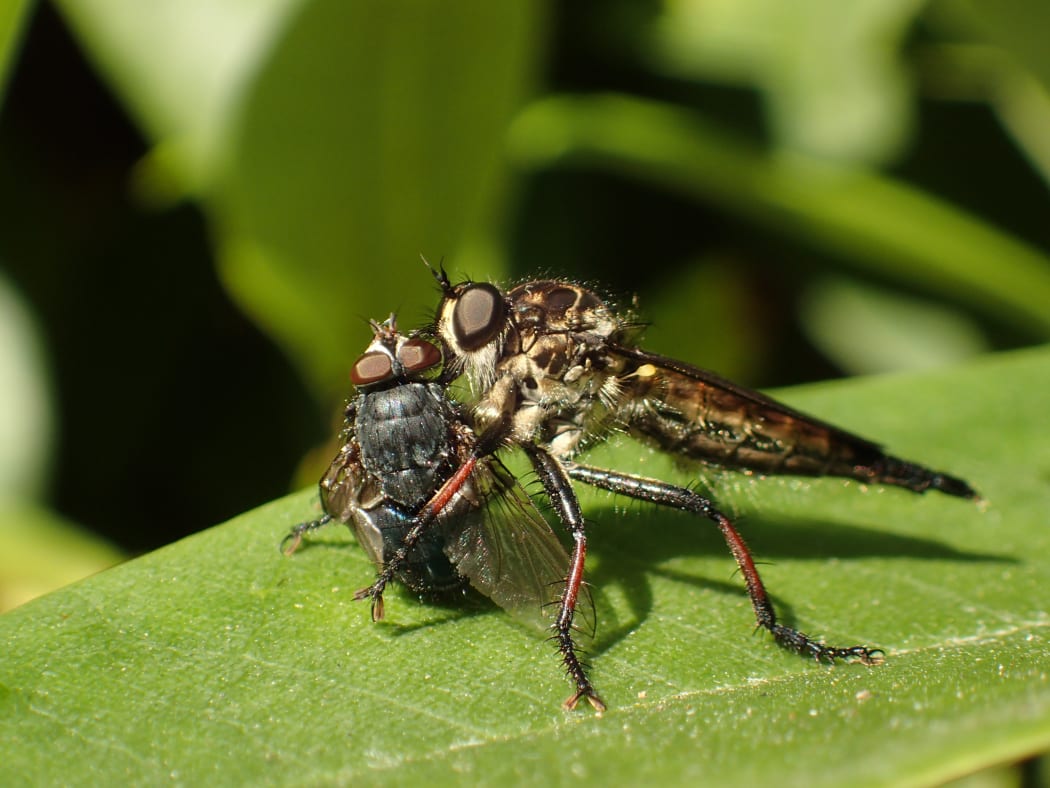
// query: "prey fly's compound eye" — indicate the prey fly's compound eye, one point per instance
point(371, 368)
point(417, 355)
point(478, 316)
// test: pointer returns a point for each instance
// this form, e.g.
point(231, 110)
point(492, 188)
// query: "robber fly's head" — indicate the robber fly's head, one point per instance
point(473, 323)
point(481, 326)
point(393, 358)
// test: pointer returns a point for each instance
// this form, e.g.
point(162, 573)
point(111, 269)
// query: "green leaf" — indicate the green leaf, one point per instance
point(217, 658)
point(13, 15)
point(1016, 25)
point(180, 68)
point(867, 330)
point(373, 135)
point(41, 551)
point(25, 389)
point(831, 74)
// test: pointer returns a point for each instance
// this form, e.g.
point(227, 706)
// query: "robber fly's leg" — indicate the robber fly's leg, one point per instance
point(426, 517)
point(685, 500)
point(291, 542)
point(559, 490)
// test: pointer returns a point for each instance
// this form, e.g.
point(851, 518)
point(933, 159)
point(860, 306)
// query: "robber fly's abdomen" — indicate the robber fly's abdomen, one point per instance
point(736, 428)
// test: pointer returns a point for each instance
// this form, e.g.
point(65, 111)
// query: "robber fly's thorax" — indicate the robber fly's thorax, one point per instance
point(537, 359)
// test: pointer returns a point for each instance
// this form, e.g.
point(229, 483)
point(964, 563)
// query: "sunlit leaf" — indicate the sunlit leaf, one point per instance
point(832, 74)
point(866, 330)
point(181, 67)
point(25, 391)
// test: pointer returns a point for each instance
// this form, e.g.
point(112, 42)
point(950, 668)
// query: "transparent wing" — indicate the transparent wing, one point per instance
point(509, 553)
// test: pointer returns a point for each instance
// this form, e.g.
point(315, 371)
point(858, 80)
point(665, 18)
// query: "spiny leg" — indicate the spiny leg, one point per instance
point(559, 491)
point(422, 521)
point(291, 542)
point(685, 500)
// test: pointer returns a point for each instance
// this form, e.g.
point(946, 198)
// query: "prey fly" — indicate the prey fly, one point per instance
point(431, 505)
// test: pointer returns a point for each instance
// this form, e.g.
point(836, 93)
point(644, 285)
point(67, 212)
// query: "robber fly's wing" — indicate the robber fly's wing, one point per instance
point(510, 554)
point(698, 414)
point(681, 376)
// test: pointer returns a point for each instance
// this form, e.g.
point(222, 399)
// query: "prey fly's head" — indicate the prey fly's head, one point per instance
point(393, 358)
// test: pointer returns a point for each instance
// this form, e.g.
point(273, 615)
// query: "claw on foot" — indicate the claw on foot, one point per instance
point(863, 654)
point(872, 656)
point(378, 610)
point(803, 644)
point(585, 692)
point(291, 542)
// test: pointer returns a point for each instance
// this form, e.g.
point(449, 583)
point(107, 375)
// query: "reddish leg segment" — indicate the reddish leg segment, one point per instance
point(431, 509)
point(685, 500)
point(559, 489)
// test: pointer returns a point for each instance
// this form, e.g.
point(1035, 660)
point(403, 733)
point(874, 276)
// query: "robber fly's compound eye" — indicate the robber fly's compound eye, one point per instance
point(371, 368)
point(417, 355)
point(478, 316)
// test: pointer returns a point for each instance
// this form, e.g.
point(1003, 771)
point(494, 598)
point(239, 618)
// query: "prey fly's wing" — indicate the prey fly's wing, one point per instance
point(509, 553)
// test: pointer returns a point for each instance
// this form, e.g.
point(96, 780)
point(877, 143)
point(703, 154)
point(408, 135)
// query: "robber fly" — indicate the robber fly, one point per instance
point(431, 505)
point(555, 369)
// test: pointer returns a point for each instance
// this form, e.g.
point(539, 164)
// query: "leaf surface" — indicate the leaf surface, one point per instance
point(217, 658)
